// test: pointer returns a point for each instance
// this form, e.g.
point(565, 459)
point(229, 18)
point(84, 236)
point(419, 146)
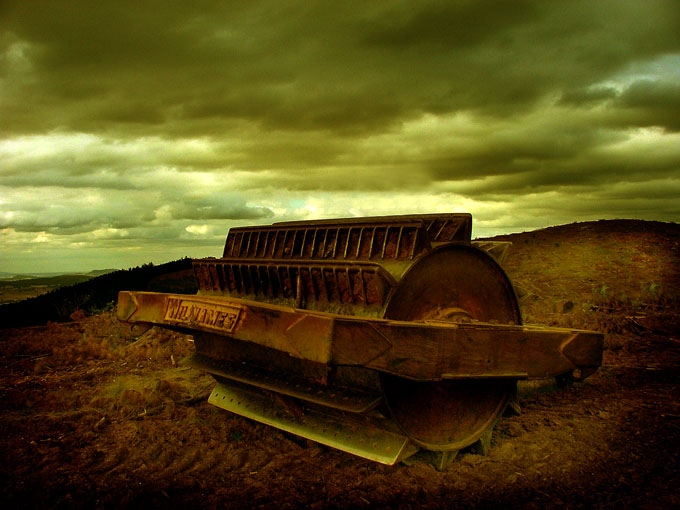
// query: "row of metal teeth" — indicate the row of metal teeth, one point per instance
point(399, 240)
point(356, 284)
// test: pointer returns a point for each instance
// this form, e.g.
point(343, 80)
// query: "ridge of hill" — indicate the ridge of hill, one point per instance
point(45, 281)
point(626, 264)
point(5, 276)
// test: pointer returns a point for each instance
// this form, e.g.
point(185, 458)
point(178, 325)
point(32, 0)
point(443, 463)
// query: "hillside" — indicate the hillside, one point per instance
point(90, 294)
point(93, 416)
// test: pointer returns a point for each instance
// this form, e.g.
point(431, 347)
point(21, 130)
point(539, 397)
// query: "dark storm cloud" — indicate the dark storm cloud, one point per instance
point(216, 208)
point(447, 24)
point(313, 67)
point(643, 103)
point(652, 94)
point(651, 103)
point(588, 96)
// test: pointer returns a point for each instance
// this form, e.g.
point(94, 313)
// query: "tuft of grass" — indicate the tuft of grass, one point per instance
point(653, 289)
point(117, 389)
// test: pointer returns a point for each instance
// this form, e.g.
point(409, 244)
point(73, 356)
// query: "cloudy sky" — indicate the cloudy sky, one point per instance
point(134, 132)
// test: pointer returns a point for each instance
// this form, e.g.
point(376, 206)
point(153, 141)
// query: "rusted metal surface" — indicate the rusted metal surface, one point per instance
point(460, 284)
point(425, 351)
point(389, 237)
point(448, 415)
point(314, 285)
point(340, 266)
point(395, 327)
point(450, 279)
point(338, 397)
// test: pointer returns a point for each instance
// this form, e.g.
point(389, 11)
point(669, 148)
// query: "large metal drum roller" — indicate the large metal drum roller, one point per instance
point(378, 336)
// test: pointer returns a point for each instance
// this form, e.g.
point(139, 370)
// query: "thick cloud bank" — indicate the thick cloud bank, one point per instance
point(141, 131)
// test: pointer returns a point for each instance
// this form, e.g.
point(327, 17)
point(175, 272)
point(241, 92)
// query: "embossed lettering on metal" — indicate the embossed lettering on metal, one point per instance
point(194, 312)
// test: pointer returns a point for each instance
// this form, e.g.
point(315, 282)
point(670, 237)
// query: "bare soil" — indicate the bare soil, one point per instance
point(93, 416)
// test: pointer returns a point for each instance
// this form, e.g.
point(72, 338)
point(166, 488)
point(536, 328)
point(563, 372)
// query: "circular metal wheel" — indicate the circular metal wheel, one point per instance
point(455, 283)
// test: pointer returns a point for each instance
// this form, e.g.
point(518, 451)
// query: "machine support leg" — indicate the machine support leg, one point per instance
point(444, 459)
point(483, 444)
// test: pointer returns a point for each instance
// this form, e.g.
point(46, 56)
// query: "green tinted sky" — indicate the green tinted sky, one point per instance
point(141, 131)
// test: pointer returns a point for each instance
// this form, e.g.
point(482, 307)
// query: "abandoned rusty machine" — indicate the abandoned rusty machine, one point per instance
point(377, 336)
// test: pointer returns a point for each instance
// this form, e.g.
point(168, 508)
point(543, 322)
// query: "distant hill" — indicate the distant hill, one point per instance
point(91, 293)
point(17, 287)
point(99, 272)
point(48, 281)
point(5, 276)
point(9, 276)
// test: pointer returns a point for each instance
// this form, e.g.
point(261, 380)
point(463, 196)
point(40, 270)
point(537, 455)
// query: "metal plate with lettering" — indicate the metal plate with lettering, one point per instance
point(196, 312)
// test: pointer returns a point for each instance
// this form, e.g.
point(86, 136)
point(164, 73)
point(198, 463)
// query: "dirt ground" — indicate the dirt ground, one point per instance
point(92, 416)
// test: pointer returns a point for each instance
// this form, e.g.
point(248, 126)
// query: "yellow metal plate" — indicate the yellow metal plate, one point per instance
point(362, 439)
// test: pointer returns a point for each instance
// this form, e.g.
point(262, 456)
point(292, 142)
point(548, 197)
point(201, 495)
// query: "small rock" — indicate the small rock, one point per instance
point(78, 315)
